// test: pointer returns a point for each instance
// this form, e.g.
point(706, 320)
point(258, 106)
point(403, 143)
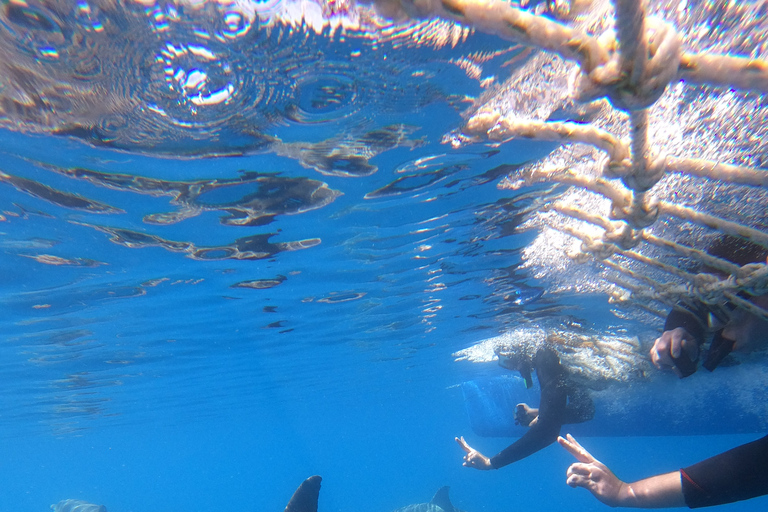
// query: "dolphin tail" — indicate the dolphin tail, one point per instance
point(442, 500)
point(305, 497)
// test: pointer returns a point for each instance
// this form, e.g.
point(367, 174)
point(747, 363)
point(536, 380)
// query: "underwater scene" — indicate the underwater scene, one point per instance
point(346, 256)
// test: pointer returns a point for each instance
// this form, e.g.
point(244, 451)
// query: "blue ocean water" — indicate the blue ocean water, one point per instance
point(201, 308)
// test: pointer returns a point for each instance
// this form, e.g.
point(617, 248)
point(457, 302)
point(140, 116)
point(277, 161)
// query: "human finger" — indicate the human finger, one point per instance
point(657, 351)
point(575, 449)
point(463, 444)
point(676, 344)
point(471, 459)
point(662, 350)
point(576, 480)
point(580, 469)
point(679, 341)
point(655, 357)
point(663, 344)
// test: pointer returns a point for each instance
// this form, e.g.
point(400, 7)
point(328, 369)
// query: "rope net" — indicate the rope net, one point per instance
point(664, 155)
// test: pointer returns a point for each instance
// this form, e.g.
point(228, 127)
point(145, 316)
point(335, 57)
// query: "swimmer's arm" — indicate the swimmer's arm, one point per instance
point(660, 491)
point(554, 398)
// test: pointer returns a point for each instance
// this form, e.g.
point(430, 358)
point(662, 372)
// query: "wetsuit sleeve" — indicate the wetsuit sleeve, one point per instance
point(692, 322)
point(738, 474)
point(554, 396)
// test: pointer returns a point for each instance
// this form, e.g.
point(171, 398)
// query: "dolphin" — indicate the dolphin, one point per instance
point(304, 499)
point(441, 502)
point(77, 506)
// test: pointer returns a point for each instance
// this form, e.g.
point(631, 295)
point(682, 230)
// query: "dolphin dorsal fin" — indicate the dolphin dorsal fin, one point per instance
point(442, 500)
point(305, 497)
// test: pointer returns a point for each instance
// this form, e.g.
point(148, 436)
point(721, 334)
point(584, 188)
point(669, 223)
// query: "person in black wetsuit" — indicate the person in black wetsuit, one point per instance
point(561, 402)
point(736, 475)
point(686, 331)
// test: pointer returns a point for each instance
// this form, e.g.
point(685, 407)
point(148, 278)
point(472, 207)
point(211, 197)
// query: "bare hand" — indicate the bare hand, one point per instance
point(671, 344)
point(592, 474)
point(525, 415)
point(473, 458)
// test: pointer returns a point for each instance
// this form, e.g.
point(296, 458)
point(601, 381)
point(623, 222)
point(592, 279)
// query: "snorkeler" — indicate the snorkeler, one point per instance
point(736, 475)
point(685, 332)
point(562, 402)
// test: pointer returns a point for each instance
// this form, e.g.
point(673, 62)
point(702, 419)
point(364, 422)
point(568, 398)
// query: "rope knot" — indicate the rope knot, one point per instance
point(634, 78)
point(617, 168)
point(638, 215)
point(623, 236)
point(642, 180)
point(598, 249)
point(706, 287)
point(753, 278)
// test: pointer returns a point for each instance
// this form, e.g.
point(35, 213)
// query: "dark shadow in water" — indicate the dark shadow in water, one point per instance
point(348, 155)
point(57, 197)
point(254, 247)
point(253, 199)
point(260, 284)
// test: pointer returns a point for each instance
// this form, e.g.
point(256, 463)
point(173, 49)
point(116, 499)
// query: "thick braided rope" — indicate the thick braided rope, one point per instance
point(593, 55)
point(632, 69)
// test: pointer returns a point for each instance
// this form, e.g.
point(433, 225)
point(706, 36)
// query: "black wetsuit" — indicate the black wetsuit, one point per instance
point(561, 403)
point(738, 474)
point(692, 322)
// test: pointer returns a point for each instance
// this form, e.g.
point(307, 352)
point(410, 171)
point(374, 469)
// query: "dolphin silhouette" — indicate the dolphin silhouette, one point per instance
point(304, 499)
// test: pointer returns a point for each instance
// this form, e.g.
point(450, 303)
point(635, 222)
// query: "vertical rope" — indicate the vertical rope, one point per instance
point(631, 68)
point(630, 31)
point(639, 148)
point(633, 54)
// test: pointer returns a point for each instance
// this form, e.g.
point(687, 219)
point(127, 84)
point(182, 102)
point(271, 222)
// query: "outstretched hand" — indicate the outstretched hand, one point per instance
point(473, 458)
point(525, 415)
point(592, 474)
point(671, 345)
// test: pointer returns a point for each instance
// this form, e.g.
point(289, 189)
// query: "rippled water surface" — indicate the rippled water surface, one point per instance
point(207, 209)
point(238, 248)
